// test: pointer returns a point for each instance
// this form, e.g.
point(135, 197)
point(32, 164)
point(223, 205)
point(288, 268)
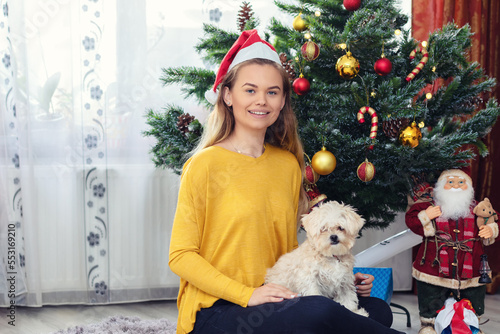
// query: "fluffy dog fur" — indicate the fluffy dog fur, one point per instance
point(323, 263)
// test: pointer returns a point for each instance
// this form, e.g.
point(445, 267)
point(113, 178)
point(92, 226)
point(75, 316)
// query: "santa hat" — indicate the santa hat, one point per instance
point(456, 172)
point(248, 46)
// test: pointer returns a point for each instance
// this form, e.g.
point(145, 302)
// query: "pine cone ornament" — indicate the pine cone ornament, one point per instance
point(392, 127)
point(287, 65)
point(244, 15)
point(183, 122)
point(367, 20)
point(473, 102)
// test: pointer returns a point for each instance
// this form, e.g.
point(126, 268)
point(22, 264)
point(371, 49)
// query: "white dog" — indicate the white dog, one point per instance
point(323, 263)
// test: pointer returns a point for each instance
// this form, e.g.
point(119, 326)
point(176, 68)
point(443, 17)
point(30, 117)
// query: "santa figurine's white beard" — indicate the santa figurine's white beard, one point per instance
point(454, 203)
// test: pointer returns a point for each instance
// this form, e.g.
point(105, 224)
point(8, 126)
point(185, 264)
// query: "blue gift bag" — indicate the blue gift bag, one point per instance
point(382, 285)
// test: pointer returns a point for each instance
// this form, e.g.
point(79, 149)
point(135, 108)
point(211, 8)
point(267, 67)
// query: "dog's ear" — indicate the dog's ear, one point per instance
point(306, 221)
point(355, 221)
point(309, 222)
point(360, 222)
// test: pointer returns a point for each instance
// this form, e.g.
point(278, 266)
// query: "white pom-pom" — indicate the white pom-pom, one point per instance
point(211, 96)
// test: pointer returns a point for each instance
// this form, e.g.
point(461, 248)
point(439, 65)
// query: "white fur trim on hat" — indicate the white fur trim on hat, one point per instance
point(256, 50)
point(456, 172)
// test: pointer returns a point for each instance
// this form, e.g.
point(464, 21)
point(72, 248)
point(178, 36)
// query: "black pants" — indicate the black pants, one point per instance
point(431, 298)
point(303, 315)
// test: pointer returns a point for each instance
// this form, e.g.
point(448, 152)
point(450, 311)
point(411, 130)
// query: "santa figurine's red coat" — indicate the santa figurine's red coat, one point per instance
point(428, 266)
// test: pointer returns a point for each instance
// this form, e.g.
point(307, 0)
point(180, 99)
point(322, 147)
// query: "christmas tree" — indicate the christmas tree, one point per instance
point(393, 111)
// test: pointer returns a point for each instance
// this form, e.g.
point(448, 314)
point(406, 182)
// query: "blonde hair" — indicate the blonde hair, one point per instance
point(282, 133)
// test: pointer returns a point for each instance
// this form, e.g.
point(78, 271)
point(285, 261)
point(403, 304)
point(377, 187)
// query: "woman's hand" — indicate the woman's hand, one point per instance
point(364, 284)
point(270, 293)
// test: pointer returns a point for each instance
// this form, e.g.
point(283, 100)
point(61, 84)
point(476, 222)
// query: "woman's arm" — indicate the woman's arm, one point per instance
point(185, 260)
point(184, 255)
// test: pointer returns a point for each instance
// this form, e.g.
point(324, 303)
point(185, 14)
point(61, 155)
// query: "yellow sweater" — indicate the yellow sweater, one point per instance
point(236, 215)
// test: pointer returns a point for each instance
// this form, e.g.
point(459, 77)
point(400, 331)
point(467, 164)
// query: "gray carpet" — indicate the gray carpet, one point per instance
point(121, 324)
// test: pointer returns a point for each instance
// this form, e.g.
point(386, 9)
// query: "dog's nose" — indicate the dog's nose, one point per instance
point(334, 239)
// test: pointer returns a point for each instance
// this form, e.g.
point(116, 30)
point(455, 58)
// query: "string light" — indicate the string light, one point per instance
point(307, 35)
point(428, 96)
point(397, 32)
point(317, 13)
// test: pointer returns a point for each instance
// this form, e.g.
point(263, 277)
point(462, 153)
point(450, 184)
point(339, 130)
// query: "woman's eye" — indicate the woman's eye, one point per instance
point(273, 93)
point(250, 91)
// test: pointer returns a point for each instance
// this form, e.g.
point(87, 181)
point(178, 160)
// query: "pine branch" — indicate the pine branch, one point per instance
point(215, 43)
point(194, 81)
point(483, 120)
point(172, 146)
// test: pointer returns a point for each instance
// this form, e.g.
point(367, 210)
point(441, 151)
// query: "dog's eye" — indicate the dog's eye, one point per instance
point(341, 228)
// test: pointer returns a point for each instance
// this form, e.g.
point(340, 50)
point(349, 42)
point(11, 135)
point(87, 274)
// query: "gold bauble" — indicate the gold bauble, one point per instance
point(347, 66)
point(323, 162)
point(411, 135)
point(299, 24)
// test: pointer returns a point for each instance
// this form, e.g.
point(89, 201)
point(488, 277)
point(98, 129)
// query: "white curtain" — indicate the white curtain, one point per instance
point(85, 217)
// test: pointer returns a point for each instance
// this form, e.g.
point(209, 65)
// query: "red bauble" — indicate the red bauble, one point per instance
point(311, 177)
point(301, 85)
point(352, 5)
point(310, 50)
point(383, 66)
point(366, 171)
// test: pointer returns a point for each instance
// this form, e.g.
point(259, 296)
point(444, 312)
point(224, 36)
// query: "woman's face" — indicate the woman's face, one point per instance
point(256, 97)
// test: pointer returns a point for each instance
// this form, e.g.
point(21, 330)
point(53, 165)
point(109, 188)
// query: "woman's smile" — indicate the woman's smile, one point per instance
point(258, 113)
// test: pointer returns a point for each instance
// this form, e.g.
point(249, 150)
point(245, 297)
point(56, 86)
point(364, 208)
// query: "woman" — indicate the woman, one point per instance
point(239, 199)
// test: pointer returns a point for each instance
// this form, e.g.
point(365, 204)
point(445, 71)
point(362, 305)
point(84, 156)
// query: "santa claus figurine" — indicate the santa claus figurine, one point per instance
point(449, 257)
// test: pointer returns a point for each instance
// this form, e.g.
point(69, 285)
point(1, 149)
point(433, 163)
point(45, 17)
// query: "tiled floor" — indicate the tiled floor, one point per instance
point(53, 318)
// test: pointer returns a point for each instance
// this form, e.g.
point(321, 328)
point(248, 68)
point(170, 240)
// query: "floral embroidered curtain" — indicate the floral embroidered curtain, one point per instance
point(85, 217)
